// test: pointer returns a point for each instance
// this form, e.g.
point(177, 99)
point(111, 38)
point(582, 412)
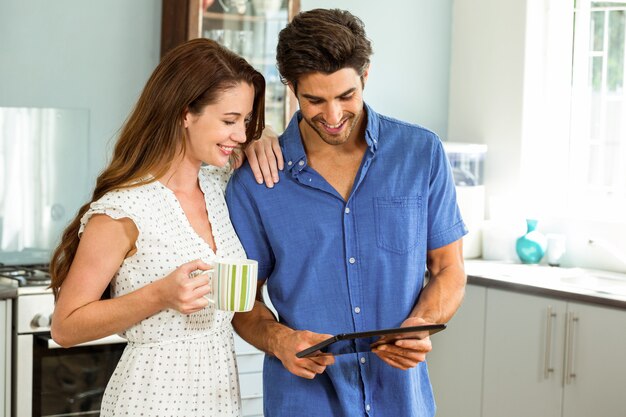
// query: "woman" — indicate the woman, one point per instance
point(157, 215)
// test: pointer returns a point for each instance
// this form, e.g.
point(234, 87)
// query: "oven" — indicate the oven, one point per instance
point(48, 380)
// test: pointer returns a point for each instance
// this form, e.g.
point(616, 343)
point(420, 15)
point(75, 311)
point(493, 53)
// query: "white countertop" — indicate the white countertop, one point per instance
point(601, 287)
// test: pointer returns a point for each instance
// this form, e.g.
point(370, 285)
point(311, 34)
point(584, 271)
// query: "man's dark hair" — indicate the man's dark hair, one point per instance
point(322, 40)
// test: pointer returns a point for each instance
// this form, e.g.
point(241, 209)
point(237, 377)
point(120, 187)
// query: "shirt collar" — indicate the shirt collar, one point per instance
point(292, 145)
point(371, 130)
point(293, 150)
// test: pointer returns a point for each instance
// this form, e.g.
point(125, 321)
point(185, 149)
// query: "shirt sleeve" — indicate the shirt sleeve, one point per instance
point(245, 217)
point(445, 224)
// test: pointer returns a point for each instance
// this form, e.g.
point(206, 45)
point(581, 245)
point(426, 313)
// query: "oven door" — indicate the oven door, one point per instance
point(63, 382)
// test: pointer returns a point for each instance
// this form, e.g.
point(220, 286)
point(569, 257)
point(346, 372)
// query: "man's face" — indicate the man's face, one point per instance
point(331, 104)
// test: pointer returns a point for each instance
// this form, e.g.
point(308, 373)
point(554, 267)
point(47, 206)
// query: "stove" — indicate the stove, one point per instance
point(36, 275)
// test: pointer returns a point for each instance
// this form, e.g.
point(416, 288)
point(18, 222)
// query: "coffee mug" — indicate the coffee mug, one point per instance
point(233, 284)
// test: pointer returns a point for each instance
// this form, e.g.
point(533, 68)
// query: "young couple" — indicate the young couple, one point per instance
point(365, 203)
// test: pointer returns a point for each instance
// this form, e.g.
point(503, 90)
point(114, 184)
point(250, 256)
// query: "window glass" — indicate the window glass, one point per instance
point(598, 123)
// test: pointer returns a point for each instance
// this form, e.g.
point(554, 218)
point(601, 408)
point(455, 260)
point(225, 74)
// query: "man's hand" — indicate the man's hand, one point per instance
point(405, 353)
point(288, 344)
point(265, 158)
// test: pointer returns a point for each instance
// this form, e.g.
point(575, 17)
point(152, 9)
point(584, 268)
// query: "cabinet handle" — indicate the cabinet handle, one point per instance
point(569, 349)
point(547, 365)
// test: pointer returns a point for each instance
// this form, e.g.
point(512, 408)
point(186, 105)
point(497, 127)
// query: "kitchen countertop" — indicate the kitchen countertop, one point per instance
point(575, 284)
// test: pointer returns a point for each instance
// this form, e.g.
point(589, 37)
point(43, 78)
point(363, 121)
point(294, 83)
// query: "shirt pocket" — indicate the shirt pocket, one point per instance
point(397, 223)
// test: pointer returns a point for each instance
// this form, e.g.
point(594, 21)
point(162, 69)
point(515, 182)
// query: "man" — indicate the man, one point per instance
point(364, 204)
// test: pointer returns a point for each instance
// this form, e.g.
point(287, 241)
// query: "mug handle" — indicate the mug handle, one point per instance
point(209, 272)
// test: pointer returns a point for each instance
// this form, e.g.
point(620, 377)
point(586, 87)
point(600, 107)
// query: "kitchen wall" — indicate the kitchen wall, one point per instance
point(486, 84)
point(408, 80)
point(79, 54)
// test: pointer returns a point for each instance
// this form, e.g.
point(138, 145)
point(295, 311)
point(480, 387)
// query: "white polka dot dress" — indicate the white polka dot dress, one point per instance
point(174, 364)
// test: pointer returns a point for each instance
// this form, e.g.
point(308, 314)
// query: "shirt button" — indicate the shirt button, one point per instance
point(347, 210)
point(357, 310)
point(352, 260)
point(367, 407)
point(301, 163)
point(289, 163)
point(363, 360)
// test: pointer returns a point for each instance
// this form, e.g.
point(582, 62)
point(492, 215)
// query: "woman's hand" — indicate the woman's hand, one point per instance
point(265, 158)
point(185, 292)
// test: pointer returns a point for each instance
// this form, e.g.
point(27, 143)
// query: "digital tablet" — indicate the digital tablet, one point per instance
point(342, 344)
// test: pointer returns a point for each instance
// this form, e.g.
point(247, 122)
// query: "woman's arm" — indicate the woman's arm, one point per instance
point(80, 315)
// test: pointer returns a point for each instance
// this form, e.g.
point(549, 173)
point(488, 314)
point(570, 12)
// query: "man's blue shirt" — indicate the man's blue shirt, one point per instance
point(336, 266)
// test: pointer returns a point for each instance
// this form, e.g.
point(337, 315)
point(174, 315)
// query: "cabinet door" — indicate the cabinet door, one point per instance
point(523, 355)
point(5, 357)
point(596, 358)
point(456, 361)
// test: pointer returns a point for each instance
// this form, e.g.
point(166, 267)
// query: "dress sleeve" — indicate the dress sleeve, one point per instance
point(111, 210)
point(445, 224)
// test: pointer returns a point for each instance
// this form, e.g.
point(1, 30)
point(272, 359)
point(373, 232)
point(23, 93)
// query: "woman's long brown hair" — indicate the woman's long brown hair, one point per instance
point(188, 78)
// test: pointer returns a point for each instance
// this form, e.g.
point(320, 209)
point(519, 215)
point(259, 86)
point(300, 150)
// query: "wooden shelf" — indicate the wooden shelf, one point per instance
point(241, 18)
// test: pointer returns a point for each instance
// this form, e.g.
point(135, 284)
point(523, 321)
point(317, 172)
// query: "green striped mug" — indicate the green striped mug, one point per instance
point(233, 284)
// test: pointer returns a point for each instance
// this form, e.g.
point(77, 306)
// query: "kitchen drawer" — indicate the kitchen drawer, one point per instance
point(250, 362)
point(251, 385)
point(252, 406)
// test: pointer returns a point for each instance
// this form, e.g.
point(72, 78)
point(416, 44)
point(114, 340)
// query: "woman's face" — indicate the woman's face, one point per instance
point(220, 127)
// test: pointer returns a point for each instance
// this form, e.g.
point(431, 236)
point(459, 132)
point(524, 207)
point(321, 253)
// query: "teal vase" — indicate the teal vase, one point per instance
point(532, 246)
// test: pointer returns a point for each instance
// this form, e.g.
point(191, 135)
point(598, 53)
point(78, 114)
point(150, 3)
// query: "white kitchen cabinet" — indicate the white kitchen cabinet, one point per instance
point(5, 357)
point(523, 369)
point(533, 347)
point(456, 362)
point(598, 360)
point(250, 369)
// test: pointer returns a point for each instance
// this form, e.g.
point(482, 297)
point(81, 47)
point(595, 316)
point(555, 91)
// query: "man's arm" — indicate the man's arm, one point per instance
point(260, 328)
point(438, 302)
point(443, 294)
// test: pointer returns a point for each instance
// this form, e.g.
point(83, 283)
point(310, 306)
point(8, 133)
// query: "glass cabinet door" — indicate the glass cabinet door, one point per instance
point(247, 27)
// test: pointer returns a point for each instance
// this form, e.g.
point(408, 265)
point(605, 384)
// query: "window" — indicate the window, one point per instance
point(597, 146)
